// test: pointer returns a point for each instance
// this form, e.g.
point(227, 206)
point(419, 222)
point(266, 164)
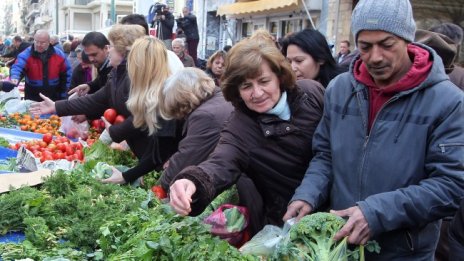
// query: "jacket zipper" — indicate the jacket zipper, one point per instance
point(443, 146)
point(366, 142)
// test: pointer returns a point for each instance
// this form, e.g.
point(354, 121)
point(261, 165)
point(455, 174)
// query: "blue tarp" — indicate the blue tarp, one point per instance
point(13, 136)
point(12, 237)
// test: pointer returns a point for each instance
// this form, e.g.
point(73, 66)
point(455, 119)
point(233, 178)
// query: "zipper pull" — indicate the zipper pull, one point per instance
point(366, 139)
point(442, 147)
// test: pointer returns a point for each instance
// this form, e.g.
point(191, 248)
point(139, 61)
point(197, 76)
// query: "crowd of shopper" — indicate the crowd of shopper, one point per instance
point(374, 134)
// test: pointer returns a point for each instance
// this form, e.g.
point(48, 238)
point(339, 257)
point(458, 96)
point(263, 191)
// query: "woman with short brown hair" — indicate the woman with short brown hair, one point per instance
point(268, 137)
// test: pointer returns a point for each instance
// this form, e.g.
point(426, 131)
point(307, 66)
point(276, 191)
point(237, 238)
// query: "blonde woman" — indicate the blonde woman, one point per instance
point(148, 69)
point(113, 95)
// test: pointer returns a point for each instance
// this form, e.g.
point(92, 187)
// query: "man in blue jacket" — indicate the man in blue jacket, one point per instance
point(389, 148)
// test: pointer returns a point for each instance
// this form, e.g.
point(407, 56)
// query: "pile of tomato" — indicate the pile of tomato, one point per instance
point(53, 149)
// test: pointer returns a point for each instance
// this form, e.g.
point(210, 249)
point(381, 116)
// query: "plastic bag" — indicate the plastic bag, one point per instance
point(16, 105)
point(265, 241)
point(13, 94)
point(74, 130)
point(229, 223)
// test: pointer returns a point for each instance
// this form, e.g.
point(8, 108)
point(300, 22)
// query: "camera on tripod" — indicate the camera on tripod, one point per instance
point(159, 8)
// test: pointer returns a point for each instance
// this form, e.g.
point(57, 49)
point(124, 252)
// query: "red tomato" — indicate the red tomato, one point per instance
point(110, 115)
point(76, 145)
point(59, 155)
point(90, 141)
point(96, 124)
point(79, 154)
point(119, 119)
point(159, 192)
point(47, 138)
point(34, 148)
point(69, 151)
point(61, 147)
point(52, 147)
point(38, 154)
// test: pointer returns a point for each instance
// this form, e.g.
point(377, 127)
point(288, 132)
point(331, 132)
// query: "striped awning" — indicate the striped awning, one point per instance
point(257, 7)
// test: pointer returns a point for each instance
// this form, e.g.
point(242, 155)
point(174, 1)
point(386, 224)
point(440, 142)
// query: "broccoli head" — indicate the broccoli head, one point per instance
point(312, 239)
point(316, 232)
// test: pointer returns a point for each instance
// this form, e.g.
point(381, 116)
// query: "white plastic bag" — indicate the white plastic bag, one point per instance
point(15, 105)
point(74, 130)
point(13, 94)
point(265, 241)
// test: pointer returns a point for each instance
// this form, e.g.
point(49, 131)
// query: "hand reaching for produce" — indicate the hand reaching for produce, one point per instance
point(107, 123)
point(356, 228)
point(47, 106)
point(116, 177)
point(81, 90)
point(298, 209)
point(181, 196)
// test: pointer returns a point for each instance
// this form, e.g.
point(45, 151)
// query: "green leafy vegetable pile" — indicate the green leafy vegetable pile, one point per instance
point(100, 152)
point(72, 216)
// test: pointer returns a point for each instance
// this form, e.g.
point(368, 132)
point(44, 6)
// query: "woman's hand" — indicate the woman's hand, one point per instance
point(298, 209)
point(107, 123)
point(181, 196)
point(46, 106)
point(116, 177)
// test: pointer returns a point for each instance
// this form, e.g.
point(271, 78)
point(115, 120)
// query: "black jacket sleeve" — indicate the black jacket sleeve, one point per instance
point(92, 105)
point(145, 165)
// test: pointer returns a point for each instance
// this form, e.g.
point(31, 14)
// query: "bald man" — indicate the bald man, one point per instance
point(45, 67)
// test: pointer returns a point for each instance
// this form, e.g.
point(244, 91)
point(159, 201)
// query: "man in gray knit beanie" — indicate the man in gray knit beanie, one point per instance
point(386, 152)
point(393, 16)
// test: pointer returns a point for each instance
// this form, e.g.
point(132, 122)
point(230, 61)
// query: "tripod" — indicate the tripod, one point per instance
point(156, 23)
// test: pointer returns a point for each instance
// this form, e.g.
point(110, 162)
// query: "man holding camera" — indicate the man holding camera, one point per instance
point(188, 24)
point(164, 22)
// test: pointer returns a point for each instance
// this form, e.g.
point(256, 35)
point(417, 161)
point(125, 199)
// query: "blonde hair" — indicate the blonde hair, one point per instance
point(122, 36)
point(147, 67)
point(262, 35)
point(183, 92)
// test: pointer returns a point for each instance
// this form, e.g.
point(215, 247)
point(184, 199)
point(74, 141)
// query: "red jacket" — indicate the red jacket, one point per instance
point(49, 75)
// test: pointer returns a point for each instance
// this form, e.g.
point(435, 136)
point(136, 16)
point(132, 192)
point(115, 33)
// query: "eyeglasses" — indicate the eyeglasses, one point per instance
point(41, 42)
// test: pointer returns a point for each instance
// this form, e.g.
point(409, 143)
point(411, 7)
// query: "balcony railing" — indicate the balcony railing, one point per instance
point(32, 10)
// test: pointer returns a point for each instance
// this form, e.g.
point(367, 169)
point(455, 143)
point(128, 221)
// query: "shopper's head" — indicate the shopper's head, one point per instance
point(121, 38)
point(310, 57)
point(184, 91)
point(255, 75)
point(147, 67)
point(383, 30)
point(96, 46)
point(216, 63)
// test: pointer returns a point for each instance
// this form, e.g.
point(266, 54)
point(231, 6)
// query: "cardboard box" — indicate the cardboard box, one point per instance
point(17, 180)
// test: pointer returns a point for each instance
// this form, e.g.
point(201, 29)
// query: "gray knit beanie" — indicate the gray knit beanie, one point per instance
point(392, 16)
